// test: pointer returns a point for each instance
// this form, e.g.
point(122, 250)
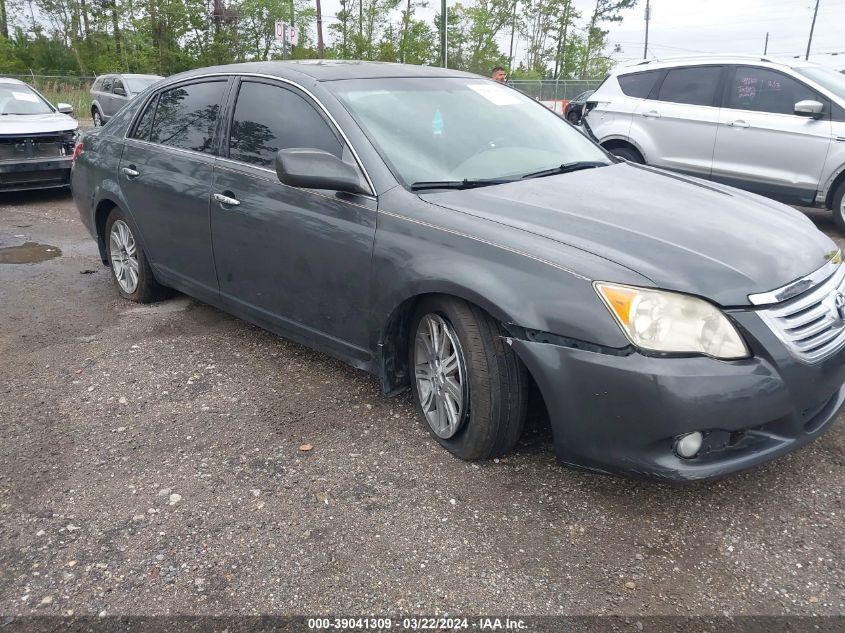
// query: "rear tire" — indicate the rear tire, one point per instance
point(97, 117)
point(128, 262)
point(493, 382)
point(839, 207)
point(628, 153)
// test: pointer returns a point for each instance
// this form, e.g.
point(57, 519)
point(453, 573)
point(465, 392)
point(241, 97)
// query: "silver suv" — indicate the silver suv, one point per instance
point(109, 93)
point(771, 127)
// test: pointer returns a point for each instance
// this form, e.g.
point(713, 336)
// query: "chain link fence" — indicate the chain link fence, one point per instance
point(554, 89)
point(72, 89)
point(75, 89)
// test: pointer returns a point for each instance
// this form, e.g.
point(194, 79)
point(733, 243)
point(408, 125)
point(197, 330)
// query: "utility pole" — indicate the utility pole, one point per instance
point(812, 28)
point(766, 47)
point(320, 45)
point(513, 28)
point(443, 33)
point(647, 19)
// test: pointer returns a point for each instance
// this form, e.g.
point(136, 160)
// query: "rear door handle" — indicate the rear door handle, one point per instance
point(738, 123)
point(651, 114)
point(130, 172)
point(226, 200)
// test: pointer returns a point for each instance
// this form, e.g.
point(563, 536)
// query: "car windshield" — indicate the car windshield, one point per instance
point(456, 129)
point(21, 99)
point(139, 84)
point(826, 78)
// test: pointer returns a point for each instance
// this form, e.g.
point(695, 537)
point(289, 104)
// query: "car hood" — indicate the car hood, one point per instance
point(36, 123)
point(681, 233)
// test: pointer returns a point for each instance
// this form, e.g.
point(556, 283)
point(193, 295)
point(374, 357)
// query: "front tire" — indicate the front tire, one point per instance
point(573, 117)
point(839, 207)
point(628, 153)
point(468, 385)
point(130, 269)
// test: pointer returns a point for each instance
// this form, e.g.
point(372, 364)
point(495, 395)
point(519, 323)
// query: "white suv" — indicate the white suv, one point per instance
point(775, 128)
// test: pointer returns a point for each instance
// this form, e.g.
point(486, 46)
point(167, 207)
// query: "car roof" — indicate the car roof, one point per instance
point(703, 60)
point(328, 70)
point(9, 80)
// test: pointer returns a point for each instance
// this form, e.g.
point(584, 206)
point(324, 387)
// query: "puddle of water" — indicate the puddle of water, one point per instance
point(28, 253)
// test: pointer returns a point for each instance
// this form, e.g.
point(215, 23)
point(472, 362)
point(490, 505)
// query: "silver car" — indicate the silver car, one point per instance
point(37, 139)
point(771, 127)
point(109, 93)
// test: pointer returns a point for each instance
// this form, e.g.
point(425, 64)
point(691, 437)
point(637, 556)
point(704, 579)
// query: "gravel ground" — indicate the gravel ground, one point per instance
point(152, 462)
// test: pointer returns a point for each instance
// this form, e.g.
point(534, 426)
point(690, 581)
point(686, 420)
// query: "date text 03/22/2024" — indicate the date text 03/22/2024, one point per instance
point(416, 624)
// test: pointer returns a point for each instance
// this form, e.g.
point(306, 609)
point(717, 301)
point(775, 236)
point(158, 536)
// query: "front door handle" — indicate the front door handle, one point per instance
point(226, 200)
point(739, 123)
point(130, 172)
point(651, 114)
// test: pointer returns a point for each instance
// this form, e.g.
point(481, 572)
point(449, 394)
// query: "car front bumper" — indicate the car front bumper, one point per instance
point(621, 412)
point(35, 174)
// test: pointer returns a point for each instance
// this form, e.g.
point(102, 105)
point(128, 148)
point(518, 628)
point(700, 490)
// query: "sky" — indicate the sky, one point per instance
point(691, 27)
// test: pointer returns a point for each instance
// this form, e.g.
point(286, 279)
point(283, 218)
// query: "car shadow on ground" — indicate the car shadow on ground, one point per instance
point(34, 196)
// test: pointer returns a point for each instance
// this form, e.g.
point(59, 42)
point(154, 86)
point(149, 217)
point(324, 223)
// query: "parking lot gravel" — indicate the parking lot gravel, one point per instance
point(172, 459)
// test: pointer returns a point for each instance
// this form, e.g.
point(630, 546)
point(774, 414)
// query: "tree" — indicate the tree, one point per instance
point(85, 37)
point(605, 11)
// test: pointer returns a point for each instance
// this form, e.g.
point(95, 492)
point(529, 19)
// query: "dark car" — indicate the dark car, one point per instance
point(109, 93)
point(471, 247)
point(574, 110)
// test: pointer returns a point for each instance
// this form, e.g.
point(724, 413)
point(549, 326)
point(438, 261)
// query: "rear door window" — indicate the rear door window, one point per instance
point(107, 84)
point(145, 121)
point(639, 84)
point(764, 90)
point(268, 118)
point(694, 85)
point(186, 116)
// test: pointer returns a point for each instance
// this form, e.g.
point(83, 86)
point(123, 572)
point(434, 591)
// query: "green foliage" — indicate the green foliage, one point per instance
point(90, 37)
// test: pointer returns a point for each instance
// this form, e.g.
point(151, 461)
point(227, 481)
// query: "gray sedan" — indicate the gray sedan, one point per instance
point(448, 234)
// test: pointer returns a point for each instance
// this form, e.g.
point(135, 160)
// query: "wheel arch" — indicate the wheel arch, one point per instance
point(392, 362)
point(101, 215)
point(834, 187)
point(614, 142)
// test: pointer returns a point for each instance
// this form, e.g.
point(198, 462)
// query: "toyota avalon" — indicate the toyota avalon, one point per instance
point(449, 235)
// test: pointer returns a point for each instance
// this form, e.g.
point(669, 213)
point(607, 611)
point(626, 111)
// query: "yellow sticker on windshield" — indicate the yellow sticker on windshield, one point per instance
point(496, 94)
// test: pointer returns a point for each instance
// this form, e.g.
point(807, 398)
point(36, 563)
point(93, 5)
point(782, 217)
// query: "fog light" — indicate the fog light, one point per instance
point(688, 445)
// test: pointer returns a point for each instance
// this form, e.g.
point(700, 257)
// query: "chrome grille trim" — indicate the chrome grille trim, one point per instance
point(811, 326)
point(794, 288)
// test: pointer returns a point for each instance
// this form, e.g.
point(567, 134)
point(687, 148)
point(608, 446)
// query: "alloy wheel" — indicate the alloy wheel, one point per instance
point(124, 256)
point(440, 374)
point(98, 120)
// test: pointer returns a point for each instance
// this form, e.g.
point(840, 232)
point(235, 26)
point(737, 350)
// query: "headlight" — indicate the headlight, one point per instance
point(663, 321)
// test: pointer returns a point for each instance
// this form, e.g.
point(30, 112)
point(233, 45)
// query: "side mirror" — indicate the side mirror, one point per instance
point(316, 169)
point(809, 108)
point(64, 108)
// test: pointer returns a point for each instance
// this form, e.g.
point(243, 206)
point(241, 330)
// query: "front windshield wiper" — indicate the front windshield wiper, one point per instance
point(466, 183)
point(566, 168)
